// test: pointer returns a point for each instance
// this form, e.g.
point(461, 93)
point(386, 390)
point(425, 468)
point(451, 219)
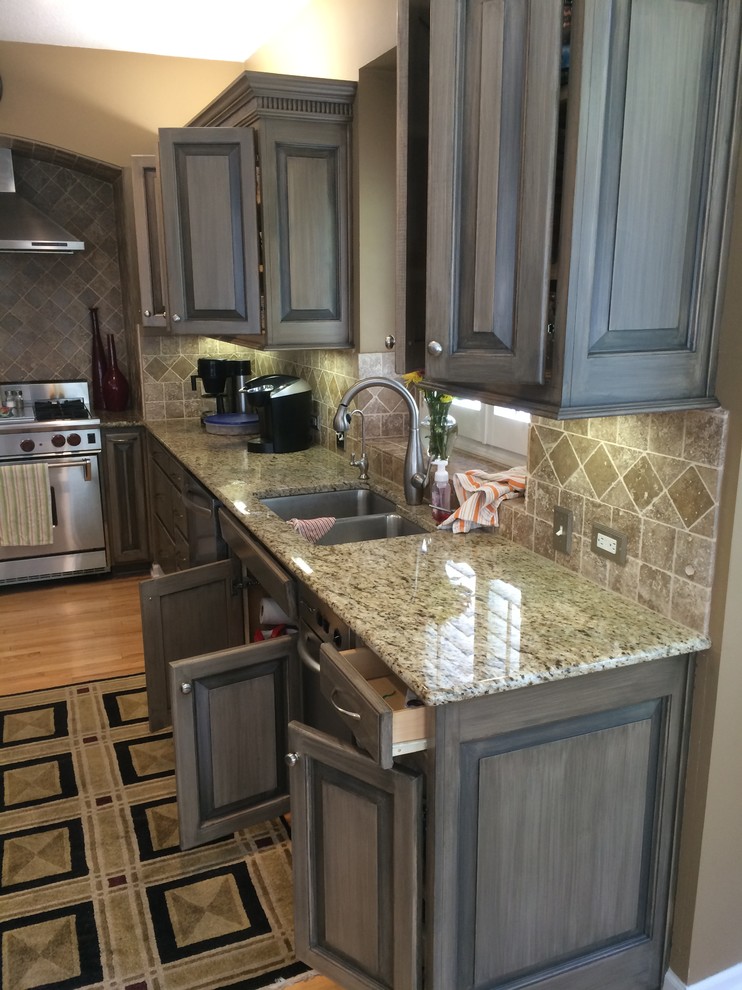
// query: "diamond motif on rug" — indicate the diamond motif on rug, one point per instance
point(125, 707)
point(163, 826)
point(205, 910)
point(91, 834)
point(30, 783)
point(144, 759)
point(35, 855)
point(52, 949)
point(27, 724)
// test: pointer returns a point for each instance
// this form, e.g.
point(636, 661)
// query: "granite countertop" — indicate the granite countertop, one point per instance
point(455, 616)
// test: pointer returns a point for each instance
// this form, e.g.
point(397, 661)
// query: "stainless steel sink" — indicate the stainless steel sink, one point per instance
point(383, 526)
point(349, 502)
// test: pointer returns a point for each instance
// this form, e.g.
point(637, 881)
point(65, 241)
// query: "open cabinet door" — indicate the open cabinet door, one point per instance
point(230, 716)
point(357, 850)
point(184, 615)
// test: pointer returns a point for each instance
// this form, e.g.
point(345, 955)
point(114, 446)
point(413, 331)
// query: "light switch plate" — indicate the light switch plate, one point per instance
point(563, 521)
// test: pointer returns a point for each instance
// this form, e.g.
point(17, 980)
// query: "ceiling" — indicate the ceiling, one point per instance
point(231, 32)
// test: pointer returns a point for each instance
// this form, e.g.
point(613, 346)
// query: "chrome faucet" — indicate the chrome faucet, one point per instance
point(415, 472)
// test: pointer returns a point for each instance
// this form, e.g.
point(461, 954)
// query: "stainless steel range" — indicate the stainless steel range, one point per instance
point(50, 422)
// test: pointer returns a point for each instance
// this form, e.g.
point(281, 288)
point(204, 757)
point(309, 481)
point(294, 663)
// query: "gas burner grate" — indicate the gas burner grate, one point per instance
point(60, 409)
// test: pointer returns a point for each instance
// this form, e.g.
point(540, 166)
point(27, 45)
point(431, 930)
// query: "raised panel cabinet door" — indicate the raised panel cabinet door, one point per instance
point(652, 184)
point(207, 177)
point(150, 241)
point(126, 496)
point(230, 717)
point(185, 614)
point(357, 848)
point(560, 824)
point(305, 180)
point(494, 97)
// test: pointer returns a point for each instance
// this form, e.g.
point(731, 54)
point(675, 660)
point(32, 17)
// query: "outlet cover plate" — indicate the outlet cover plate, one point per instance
point(563, 522)
point(604, 539)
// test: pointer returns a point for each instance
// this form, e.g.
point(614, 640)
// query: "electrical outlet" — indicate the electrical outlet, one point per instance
point(563, 520)
point(314, 421)
point(609, 543)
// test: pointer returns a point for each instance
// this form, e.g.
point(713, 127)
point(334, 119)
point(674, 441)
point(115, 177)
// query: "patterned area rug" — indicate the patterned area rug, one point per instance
point(96, 892)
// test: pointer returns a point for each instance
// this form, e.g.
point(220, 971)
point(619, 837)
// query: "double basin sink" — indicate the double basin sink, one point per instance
point(359, 514)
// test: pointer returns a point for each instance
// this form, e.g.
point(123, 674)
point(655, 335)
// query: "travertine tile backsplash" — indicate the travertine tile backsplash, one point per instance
point(655, 477)
point(44, 299)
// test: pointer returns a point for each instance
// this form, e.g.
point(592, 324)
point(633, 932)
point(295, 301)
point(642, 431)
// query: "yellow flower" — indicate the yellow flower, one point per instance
point(413, 377)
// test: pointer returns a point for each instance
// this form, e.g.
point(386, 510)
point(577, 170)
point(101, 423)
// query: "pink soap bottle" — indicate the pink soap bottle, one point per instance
point(440, 493)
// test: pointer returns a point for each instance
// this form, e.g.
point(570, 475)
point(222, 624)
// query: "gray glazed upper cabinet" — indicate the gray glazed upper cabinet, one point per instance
point(580, 171)
point(207, 180)
point(229, 700)
point(256, 200)
point(532, 842)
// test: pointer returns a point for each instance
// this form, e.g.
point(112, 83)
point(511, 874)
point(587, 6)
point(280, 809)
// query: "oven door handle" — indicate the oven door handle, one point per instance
point(83, 463)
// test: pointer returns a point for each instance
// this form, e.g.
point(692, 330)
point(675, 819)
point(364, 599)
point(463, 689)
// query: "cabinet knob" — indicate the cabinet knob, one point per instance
point(389, 341)
point(148, 312)
point(291, 759)
point(185, 687)
point(434, 348)
point(175, 318)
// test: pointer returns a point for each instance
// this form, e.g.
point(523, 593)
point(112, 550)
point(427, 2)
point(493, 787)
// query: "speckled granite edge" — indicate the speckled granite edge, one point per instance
point(454, 616)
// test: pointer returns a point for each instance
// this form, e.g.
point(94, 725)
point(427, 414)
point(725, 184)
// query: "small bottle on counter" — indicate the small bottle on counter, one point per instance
point(440, 492)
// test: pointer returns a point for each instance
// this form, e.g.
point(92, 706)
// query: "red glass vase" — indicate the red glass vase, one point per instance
point(115, 385)
point(99, 362)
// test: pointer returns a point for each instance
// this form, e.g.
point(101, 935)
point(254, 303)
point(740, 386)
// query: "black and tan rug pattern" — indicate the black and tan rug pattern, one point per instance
point(95, 893)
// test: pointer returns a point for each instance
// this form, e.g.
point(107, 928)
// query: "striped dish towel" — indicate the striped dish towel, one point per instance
point(479, 496)
point(313, 529)
point(25, 505)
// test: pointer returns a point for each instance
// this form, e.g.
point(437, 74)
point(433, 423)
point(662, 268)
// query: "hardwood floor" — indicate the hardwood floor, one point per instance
point(68, 632)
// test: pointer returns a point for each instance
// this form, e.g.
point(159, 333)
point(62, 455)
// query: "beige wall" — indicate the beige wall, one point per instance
point(104, 105)
point(707, 935)
point(332, 38)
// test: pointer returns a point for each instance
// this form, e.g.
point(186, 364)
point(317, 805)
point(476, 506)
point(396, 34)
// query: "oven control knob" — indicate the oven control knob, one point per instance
point(27, 445)
point(57, 440)
point(74, 439)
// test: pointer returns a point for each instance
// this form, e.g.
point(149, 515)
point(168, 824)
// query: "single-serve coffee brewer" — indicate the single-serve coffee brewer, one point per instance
point(222, 381)
point(284, 407)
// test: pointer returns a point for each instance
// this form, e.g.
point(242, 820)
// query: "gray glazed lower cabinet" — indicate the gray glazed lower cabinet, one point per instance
point(532, 843)
point(229, 700)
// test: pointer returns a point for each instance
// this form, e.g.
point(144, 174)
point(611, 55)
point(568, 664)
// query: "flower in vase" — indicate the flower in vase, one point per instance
point(439, 425)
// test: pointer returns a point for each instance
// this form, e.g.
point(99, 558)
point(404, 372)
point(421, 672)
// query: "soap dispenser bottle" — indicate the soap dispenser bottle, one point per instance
point(440, 493)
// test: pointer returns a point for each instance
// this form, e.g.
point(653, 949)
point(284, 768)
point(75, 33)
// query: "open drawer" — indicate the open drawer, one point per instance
point(373, 702)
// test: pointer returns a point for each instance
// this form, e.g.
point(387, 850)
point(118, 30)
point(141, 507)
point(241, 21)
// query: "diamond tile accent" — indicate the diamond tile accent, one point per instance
point(690, 497)
point(564, 460)
point(600, 471)
point(643, 483)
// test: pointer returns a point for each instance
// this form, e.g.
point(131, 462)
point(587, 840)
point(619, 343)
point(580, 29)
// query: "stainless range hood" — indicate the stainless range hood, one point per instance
point(23, 227)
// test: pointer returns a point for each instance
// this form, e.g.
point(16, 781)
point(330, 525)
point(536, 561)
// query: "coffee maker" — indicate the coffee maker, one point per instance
point(284, 407)
point(221, 381)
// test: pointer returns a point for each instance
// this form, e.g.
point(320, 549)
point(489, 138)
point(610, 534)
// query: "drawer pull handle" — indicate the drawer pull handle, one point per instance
point(343, 711)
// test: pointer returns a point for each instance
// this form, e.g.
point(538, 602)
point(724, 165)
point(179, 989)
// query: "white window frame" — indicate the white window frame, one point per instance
point(494, 432)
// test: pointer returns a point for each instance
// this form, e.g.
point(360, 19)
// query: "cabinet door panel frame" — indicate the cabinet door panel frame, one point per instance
point(230, 711)
point(365, 935)
point(209, 200)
